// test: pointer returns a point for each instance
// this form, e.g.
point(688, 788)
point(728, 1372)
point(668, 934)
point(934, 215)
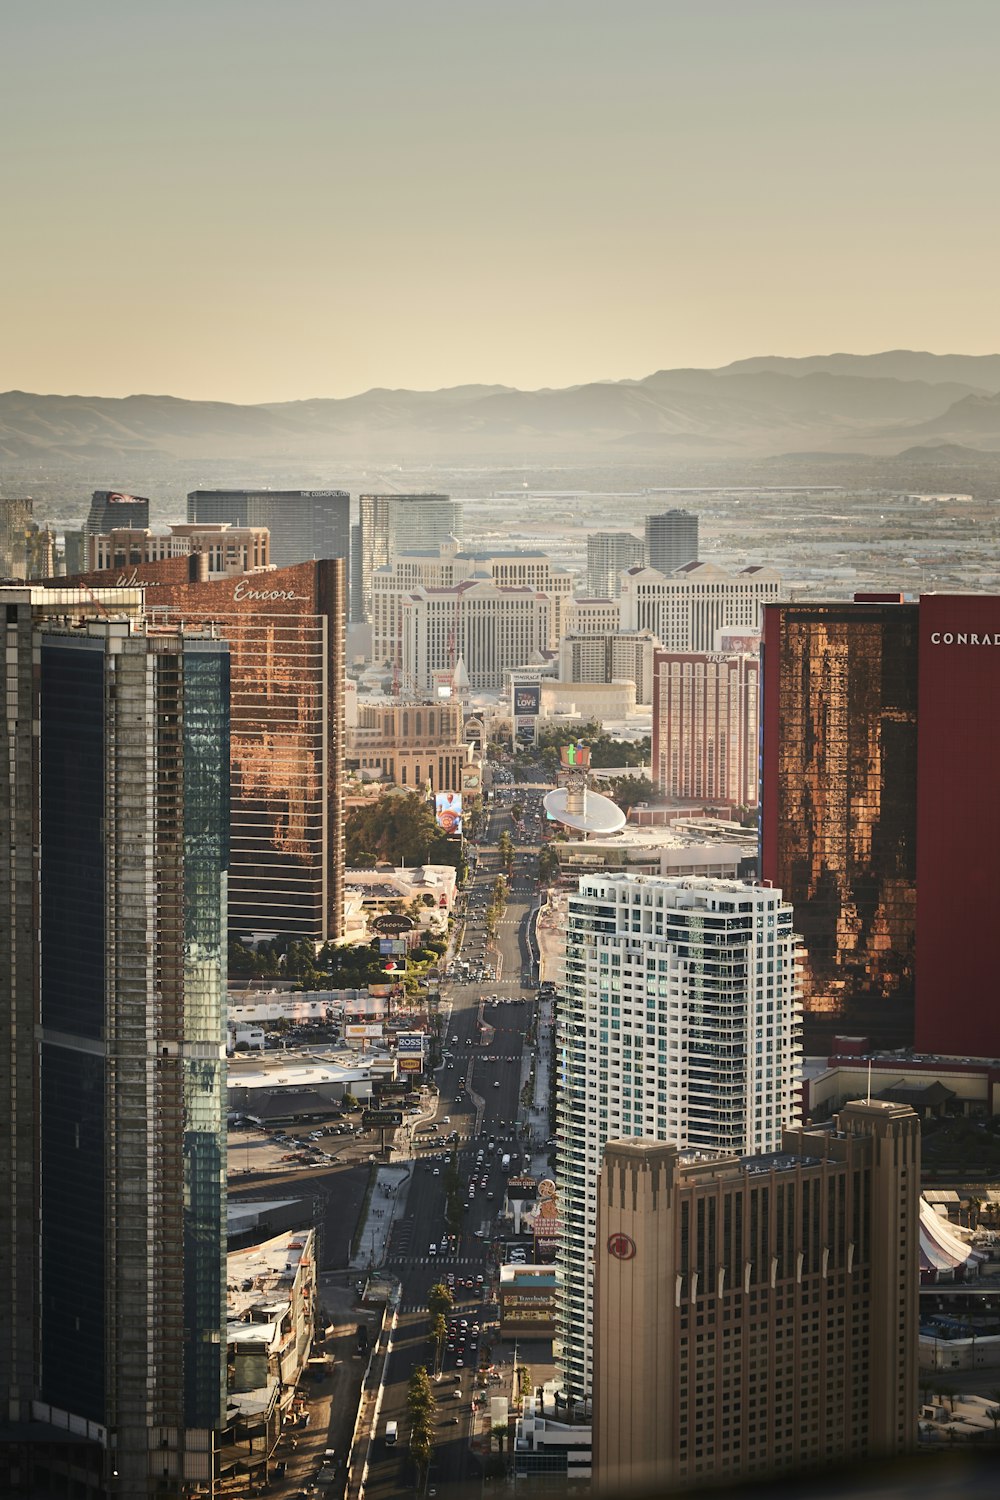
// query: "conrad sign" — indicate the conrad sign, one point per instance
point(965, 638)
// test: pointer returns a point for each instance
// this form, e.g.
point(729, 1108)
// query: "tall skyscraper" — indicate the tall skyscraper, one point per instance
point(706, 721)
point(880, 721)
point(286, 634)
point(671, 540)
point(305, 525)
point(112, 1067)
point(680, 1021)
point(839, 769)
point(690, 609)
point(110, 510)
point(393, 524)
point(16, 522)
point(757, 1314)
point(609, 553)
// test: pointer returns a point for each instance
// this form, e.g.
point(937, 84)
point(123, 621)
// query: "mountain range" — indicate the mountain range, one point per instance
point(874, 405)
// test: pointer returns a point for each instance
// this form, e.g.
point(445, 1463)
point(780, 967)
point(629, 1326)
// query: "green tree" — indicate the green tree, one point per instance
point(548, 864)
point(420, 1396)
point(399, 827)
point(499, 1431)
point(629, 791)
point(438, 1333)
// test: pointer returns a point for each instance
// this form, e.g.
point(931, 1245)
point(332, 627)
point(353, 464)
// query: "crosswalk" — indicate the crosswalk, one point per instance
point(434, 1260)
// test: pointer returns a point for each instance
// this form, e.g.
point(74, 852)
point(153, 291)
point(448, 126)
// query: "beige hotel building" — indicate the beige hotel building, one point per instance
point(757, 1314)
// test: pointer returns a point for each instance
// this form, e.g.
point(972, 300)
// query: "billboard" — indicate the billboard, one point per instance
point(366, 1033)
point(448, 811)
point(739, 641)
point(524, 729)
point(575, 757)
point(410, 1064)
point(525, 1188)
point(391, 947)
point(410, 1044)
point(472, 779)
point(393, 966)
point(381, 1119)
point(527, 699)
point(545, 1221)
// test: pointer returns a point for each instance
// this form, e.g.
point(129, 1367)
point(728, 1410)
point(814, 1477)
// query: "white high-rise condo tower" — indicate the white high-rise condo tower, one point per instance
point(679, 1021)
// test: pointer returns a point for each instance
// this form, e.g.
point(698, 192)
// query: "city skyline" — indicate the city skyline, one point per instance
point(530, 196)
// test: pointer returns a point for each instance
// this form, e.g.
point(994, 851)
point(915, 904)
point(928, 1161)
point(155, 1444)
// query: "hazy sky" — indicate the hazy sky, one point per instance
point(259, 200)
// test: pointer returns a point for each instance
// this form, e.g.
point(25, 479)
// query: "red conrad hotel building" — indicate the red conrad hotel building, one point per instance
point(880, 814)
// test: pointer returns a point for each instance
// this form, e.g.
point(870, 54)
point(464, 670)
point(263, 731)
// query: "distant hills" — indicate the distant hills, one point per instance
point(876, 405)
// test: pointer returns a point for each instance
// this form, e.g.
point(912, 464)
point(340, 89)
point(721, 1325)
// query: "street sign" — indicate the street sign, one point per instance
point(381, 1119)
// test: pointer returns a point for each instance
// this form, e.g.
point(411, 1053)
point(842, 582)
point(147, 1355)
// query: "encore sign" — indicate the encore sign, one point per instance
point(265, 596)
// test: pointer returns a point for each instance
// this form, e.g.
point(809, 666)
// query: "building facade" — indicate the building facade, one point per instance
point(591, 616)
point(304, 525)
point(285, 630)
point(394, 524)
point(627, 654)
point(688, 609)
point(609, 554)
point(227, 549)
point(706, 724)
point(447, 566)
point(671, 540)
point(112, 1223)
point(415, 745)
point(838, 824)
point(757, 1315)
point(491, 628)
point(111, 509)
point(16, 524)
point(880, 721)
point(679, 1019)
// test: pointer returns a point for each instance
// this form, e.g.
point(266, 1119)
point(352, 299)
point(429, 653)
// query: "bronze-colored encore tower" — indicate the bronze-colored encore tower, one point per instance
point(758, 1314)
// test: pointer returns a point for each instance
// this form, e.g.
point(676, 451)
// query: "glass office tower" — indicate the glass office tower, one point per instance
point(119, 1118)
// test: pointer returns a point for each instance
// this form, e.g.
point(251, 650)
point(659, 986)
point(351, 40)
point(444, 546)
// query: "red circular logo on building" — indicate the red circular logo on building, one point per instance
point(621, 1246)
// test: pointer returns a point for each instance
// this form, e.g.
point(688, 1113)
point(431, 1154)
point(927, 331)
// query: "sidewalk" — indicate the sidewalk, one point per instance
point(386, 1204)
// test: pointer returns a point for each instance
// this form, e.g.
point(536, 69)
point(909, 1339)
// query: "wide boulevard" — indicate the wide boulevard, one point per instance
point(479, 1084)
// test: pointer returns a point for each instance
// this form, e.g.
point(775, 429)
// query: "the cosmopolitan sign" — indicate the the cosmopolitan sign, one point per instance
point(965, 638)
point(265, 596)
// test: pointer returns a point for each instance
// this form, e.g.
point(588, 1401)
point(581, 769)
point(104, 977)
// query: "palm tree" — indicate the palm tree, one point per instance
point(499, 1431)
point(439, 1332)
point(439, 1299)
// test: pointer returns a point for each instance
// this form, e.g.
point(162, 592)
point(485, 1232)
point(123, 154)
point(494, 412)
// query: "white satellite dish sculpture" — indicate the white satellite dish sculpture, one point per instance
point(575, 805)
